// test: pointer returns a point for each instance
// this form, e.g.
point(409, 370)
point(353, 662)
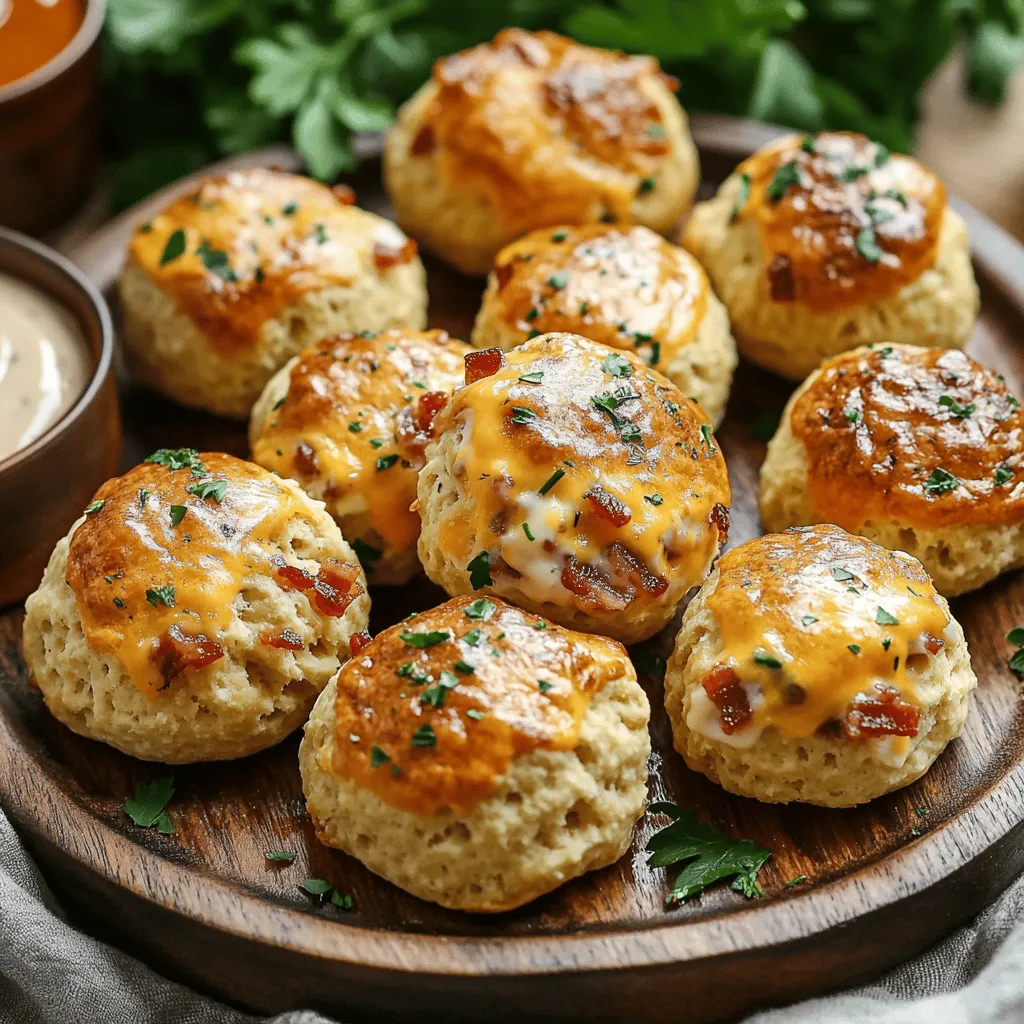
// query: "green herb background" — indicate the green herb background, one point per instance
point(187, 81)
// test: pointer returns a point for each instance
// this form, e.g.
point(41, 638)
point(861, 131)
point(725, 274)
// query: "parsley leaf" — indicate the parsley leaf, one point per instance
point(161, 595)
point(884, 618)
point(788, 174)
point(146, 808)
point(616, 365)
point(94, 506)
point(426, 639)
point(1016, 637)
point(424, 736)
point(284, 856)
point(177, 458)
point(711, 855)
point(941, 481)
point(215, 489)
point(479, 569)
point(481, 609)
point(742, 195)
point(174, 248)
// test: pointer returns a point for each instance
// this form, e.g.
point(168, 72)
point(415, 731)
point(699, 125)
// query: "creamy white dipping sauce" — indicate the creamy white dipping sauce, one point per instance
point(44, 363)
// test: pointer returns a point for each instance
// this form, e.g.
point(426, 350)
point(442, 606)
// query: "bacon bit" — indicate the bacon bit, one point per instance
point(357, 641)
point(628, 567)
point(287, 639)
point(726, 692)
point(305, 459)
point(719, 516)
point(336, 587)
point(933, 644)
point(884, 715)
point(592, 587)
point(485, 363)
point(292, 576)
point(503, 274)
point(606, 506)
point(423, 141)
point(176, 651)
point(780, 279)
point(385, 257)
point(415, 424)
point(345, 195)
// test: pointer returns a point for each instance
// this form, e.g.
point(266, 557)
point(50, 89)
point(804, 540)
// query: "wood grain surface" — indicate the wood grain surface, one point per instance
point(204, 905)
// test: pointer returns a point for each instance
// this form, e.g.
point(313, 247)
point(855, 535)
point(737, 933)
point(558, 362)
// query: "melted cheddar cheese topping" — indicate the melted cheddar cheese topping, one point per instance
point(241, 248)
point(928, 437)
point(550, 131)
point(589, 477)
point(342, 425)
point(814, 619)
point(842, 221)
point(623, 287)
point(154, 560)
point(432, 712)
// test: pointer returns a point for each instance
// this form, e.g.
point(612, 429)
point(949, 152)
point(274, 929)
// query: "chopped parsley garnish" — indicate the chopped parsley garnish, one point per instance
point(807, 145)
point(375, 442)
point(481, 609)
point(342, 899)
point(705, 433)
point(884, 618)
point(786, 175)
point(616, 365)
point(318, 887)
point(479, 570)
point(881, 153)
point(521, 415)
point(284, 856)
point(540, 624)
point(1002, 475)
point(147, 807)
point(808, 620)
point(215, 489)
point(533, 378)
point(161, 595)
point(559, 280)
point(320, 234)
point(841, 575)
point(355, 426)
point(647, 185)
point(386, 461)
point(767, 661)
point(464, 667)
point(959, 411)
point(796, 881)
point(143, 495)
point(435, 695)
point(94, 506)
point(655, 356)
point(853, 648)
point(378, 756)
point(472, 637)
point(216, 262)
point(560, 236)
point(118, 603)
point(710, 854)
point(290, 209)
point(741, 196)
point(174, 248)
point(528, 532)
point(178, 458)
point(941, 481)
point(425, 639)
point(1016, 663)
point(177, 514)
point(424, 737)
point(475, 714)
point(548, 484)
point(631, 434)
point(654, 499)
point(867, 245)
point(544, 686)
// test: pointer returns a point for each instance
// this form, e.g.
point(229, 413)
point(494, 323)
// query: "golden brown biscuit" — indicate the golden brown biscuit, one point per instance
point(820, 243)
point(195, 611)
point(623, 287)
point(232, 280)
point(816, 666)
point(918, 449)
point(476, 759)
point(575, 481)
point(349, 420)
point(530, 130)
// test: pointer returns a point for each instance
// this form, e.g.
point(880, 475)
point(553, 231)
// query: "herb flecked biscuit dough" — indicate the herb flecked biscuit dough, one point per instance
point(623, 287)
point(820, 244)
point(172, 635)
point(231, 281)
point(516, 758)
point(574, 481)
point(349, 419)
point(816, 666)
point(918, 449)
point(530, 130)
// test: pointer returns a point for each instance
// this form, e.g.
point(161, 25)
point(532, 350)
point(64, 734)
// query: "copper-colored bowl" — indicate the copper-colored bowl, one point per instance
point(45, 486)
point(49, 133)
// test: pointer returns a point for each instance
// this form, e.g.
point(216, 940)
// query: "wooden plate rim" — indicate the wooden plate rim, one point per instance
point(899, 876)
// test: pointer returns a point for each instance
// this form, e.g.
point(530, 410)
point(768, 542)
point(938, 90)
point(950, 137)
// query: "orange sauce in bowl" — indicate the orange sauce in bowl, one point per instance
point(33, 32)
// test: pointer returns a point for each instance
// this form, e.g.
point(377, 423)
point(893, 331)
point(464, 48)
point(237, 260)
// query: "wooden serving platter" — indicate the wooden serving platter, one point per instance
point(204, 905)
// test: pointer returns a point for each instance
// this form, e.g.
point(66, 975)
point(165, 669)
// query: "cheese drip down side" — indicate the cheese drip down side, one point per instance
point(927, 437)
point(349, 428)
point(574, 457)
point(143, 571)
point(432, 712)
point(842, 222)
point(623, 287)
point(813, 618)
point(550, 131)
point(243, 247)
